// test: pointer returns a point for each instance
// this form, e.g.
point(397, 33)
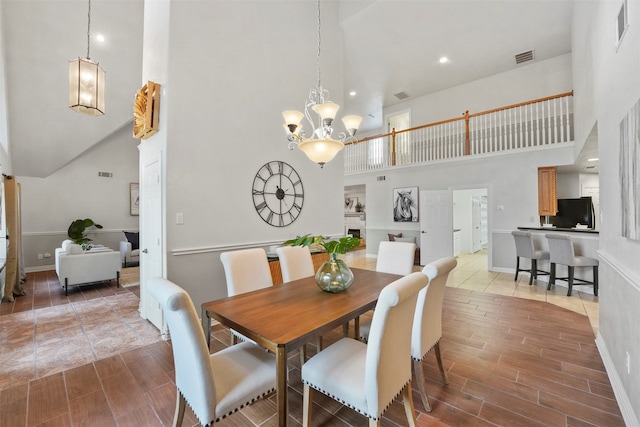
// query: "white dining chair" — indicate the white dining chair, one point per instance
point(296, 263)
point(367, 377)
point(426, 331)
point(395, 257)
point(213, 385)
point(427, 322)
point(246, 270)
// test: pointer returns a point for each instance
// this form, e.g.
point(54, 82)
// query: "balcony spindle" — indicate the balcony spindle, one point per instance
point(520, 126)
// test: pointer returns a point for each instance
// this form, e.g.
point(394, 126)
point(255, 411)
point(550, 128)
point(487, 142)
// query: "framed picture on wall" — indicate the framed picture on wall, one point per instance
point(350, 204)
point(630, 173)
point(134, 198)
point(405, 204)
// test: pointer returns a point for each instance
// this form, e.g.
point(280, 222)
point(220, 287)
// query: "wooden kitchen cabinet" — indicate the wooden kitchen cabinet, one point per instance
point(547, 198)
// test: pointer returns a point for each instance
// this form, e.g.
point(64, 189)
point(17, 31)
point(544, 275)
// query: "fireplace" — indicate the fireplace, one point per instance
point(354, 232)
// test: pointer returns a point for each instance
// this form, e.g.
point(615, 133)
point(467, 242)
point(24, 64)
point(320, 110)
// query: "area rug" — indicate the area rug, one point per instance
point(130, 276)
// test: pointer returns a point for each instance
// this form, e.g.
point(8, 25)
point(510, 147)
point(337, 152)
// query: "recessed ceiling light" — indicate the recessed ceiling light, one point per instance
point(593, 159)
point(444, 60)
point(100, 37)
point(352, 93)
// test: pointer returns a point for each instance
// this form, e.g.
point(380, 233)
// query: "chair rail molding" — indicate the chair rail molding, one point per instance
point(231, 247)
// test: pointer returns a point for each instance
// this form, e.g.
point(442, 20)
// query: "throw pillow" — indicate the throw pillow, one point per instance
point(392, 237)
point(74, 249)
point(406, 239)
point(132, 237)
point(66, 243)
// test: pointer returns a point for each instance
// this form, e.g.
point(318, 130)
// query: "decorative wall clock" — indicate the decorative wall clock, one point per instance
point(146, 111)
point(278, 193)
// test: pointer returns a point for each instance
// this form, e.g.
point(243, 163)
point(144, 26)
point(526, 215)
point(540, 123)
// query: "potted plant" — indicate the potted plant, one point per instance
point(333, 275)
point(77, 229)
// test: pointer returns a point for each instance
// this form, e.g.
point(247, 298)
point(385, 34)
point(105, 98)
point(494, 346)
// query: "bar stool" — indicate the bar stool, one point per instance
point(561, 251)
point(526, 249)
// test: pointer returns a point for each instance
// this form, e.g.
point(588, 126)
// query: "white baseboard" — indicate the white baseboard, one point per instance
point(39, 268)
point(624, 403)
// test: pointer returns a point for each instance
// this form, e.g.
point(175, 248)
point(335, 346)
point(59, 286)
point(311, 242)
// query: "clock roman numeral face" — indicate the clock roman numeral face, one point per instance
point(278, 194)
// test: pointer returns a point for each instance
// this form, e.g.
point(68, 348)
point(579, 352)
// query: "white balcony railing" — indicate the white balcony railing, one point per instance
point(535, 123)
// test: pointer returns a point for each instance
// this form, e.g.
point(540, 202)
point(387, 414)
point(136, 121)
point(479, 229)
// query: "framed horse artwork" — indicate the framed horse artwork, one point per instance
point(405, 204)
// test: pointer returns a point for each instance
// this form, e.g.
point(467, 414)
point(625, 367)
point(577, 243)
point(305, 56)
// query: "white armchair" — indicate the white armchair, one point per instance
point(129, 251)
point(77, 267)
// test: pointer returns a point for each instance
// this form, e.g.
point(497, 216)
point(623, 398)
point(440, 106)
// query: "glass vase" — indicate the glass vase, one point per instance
point(334, 275)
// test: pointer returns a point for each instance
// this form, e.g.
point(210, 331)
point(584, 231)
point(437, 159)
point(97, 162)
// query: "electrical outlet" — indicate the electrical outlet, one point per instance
point(532, 219)
point(628, 363)
point(40, 256)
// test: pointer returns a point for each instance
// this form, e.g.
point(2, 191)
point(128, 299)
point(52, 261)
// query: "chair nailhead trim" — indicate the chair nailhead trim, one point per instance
point(373, 417)
point(426, 352)
point(263, 395)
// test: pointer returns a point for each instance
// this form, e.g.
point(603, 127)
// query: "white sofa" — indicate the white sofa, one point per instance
point(77, 267)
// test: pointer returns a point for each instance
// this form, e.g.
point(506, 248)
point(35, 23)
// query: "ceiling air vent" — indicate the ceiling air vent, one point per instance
point(106, 174)
point(381, 178)
point(524, 57)
point(401, 95)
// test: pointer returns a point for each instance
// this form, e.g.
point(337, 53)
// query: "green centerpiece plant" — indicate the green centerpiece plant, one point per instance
point(333, 275)
point(77, 230)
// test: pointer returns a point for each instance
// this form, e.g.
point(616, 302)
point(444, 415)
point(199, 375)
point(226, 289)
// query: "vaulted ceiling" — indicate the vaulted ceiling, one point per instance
point(390, 46)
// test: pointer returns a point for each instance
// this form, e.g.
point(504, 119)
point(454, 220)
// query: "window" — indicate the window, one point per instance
point(621, 23)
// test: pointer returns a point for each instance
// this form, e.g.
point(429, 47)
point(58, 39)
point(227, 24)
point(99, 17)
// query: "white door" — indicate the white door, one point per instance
point(436, 225)
point(151, 264)
point(476, 223)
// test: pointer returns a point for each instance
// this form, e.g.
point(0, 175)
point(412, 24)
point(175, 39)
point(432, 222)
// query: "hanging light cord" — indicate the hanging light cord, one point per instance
point(318, 59)
point(89, 30)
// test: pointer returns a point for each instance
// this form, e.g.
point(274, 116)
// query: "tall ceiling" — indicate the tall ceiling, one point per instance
point(390, 46)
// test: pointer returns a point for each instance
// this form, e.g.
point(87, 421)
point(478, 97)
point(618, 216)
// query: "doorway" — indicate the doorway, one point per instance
point(355, 219)
point(398, 121)
point(470, 216)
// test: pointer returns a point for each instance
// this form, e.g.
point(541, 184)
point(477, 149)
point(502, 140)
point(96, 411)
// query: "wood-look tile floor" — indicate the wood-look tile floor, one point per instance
point(511, 361)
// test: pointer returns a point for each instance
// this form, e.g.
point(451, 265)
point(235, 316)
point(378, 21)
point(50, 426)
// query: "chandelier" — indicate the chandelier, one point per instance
point(320, 147)
point(86, 82)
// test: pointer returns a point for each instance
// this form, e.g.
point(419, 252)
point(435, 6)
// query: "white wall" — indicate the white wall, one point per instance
point(4, 131)
point(511, 179)
point(512, 189)
point(610, 78)
point(228, 82)
point(567, 185)
point(535, 80)
point(50, 204)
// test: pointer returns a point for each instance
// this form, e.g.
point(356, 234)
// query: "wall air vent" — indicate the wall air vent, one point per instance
point(106, 174)
point(381, 178)
point(524, 56)
point(401, 95)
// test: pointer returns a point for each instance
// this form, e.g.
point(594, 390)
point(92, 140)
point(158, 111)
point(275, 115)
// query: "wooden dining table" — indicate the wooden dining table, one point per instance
point(283, 317)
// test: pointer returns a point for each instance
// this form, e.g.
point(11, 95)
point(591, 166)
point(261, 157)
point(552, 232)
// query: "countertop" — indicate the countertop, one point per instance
point(566, 230)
